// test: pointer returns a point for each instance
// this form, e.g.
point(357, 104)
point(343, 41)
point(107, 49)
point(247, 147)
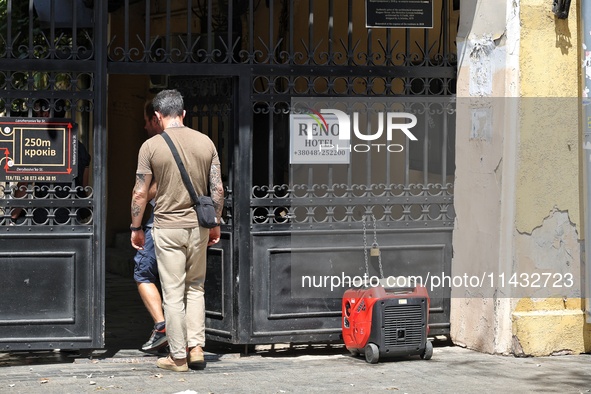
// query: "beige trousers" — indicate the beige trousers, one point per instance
point(181, 256)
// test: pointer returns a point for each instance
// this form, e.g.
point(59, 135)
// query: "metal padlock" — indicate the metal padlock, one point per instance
point(375, 250)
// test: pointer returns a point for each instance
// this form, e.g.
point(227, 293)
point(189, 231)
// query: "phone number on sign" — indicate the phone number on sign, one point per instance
point(522, 280)
point(317, 152)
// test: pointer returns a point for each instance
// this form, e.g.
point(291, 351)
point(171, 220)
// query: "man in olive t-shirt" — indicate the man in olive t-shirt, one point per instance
point(180, 243)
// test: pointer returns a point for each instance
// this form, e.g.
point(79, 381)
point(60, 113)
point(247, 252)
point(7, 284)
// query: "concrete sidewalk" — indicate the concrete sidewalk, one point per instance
point(294, 369)
point(120, 368)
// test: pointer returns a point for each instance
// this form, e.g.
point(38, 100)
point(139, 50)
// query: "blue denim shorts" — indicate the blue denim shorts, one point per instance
point(146, 268)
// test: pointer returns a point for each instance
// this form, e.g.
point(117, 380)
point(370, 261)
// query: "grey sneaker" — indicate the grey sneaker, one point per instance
point(157, 341)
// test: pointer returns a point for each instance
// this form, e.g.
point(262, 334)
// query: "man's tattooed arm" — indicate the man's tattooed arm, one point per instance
point(139, 198)
point(216, 188)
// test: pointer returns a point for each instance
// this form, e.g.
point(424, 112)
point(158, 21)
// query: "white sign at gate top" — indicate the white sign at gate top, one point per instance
point(315, 139)
point(325, 137)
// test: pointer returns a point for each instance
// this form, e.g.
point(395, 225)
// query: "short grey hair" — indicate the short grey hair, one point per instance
point(169, 103)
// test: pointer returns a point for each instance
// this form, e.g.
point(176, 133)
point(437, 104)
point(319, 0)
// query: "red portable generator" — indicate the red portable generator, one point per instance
point(386, 322)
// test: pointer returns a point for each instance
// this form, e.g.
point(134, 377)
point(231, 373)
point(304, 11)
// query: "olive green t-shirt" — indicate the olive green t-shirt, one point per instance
point(174, 208)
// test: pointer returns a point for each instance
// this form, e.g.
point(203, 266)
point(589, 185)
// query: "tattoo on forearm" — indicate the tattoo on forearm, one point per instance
point(140, 180)
point(135, 209)
point(216, 188)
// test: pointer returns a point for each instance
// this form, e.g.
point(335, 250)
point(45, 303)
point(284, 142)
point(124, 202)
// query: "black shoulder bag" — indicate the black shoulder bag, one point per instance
point(203, 204)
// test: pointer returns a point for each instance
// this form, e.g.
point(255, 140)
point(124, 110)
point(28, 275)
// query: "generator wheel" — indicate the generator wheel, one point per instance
point(372, 353)
point(428, 353)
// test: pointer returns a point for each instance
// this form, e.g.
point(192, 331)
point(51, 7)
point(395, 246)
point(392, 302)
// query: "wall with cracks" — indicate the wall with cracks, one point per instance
point(518, 193)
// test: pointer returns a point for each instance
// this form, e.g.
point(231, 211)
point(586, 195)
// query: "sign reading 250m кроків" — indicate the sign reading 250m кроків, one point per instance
point(38, 150)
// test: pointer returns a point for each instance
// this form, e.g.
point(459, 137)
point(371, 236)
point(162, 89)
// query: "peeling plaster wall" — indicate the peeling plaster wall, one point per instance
point(548, 319)
point(551, 248)
point(548, 189)
point(548, 167)
point(517, 189)
point(485, 170)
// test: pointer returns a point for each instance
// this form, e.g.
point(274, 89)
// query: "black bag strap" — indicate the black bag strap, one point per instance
point(184, 174)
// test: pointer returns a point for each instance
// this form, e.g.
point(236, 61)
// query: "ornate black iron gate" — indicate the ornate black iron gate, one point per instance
point(51, 249)
point(240, 80)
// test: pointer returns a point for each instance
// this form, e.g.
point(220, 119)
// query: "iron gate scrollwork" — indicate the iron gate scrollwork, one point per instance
point(52, 278)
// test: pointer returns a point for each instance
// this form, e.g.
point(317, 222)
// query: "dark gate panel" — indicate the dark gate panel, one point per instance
point(47, 304)
point(299, 278)
point(52, 229)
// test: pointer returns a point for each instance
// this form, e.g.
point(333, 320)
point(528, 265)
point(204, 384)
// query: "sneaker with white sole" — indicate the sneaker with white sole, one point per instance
point(157, 341)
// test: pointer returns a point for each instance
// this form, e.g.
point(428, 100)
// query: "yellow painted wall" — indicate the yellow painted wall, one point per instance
point(548, 188)
point(518, 192)
point(548, 162)
point(550, 326)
